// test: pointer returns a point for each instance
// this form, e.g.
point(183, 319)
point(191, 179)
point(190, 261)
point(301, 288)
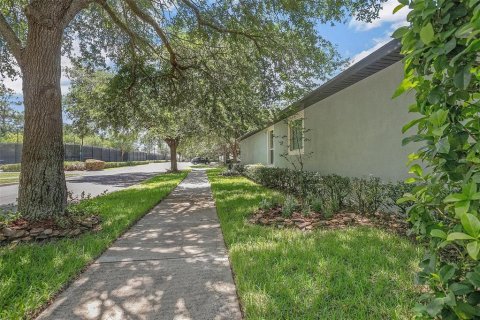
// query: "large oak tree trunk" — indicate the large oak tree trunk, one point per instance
point(42, 192)
point(172, 144)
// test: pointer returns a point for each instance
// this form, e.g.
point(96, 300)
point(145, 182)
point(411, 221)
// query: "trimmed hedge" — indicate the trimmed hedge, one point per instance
point(11, 167)
point(80, 166)
point(363, 195)
point(94, 165)
point(74, 166)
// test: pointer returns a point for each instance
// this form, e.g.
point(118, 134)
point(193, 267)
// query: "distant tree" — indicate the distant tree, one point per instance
point(122, 139)
point(82, 100)
point(205, 145)
point(11, 120)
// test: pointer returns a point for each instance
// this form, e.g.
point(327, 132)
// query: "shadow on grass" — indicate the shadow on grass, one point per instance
point(357, 273)
point(31, 274)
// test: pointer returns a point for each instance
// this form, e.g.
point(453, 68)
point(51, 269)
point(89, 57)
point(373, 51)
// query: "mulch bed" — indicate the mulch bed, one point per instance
point(21, 230)
point(273, 217)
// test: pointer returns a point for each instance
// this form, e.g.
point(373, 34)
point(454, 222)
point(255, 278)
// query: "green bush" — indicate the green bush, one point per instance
point(395, 191)
point(125, 164)
point(80, 166)
point(336, 189)
point(367, 195)
point(240, 168)
point(266, 204)
point(11, 167)
point(332, 192)
point(315, 202)
point(289, 206)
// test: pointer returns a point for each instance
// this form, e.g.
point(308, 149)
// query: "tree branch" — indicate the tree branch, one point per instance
point(133, 36)
point(75, 7)
point(163, 36)
point(203, 22)
point(13, 42)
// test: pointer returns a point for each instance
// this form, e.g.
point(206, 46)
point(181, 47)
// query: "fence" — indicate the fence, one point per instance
point(12, 153)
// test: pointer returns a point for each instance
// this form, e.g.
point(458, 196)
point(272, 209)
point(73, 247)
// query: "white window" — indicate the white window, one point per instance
point(271, 150)
point(296, 130)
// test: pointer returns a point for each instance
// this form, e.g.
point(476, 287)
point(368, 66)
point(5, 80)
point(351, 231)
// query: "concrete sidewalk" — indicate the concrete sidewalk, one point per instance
point(171, 265)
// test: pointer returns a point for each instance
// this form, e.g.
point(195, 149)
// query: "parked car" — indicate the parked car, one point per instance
point(200, 160)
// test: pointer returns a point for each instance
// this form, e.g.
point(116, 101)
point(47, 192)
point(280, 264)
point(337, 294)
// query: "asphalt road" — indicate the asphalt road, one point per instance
point(96, 182)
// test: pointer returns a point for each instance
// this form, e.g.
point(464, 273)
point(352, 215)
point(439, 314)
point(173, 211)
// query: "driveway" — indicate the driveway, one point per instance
point(96, 182)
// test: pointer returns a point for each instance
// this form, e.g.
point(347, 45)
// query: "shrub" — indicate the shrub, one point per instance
point(94, 165)
point(316, 203)
point(289, 206)
point(367, 195)
point(240, 168)
point(329, 208)
point(11, 167)
point(395, 191)
point(331, 193)
point(80, 166)
point(266, 204)
point(230, 173)
point(125, 164)
point(74, 166)
point(336, 189)
point(306, 208)
point(251, 171)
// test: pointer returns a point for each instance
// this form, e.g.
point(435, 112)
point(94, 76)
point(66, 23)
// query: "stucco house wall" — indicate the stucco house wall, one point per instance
point(354, 132)
point(254, 148)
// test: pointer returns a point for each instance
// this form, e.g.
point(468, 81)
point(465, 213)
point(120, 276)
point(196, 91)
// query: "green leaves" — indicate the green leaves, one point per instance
point(474, 278)
point(438, 118)
point(438, 233)
point(471, 224)
point(398, 8)
point(406, 84)
point(441, 49)
point(473, 249)
point(400, 32)
point(463, 77)
point(459, 236)
point(427, 34)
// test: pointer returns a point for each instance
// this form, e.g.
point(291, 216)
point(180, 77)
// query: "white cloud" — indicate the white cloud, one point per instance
point(386, 16)
point(378, 43)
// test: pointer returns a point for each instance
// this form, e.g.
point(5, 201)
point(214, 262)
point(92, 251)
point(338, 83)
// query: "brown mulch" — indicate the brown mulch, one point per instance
point(341, 220)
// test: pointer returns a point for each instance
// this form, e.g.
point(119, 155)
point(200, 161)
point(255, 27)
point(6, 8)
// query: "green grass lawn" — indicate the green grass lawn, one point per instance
point(358, 273)
point(31, 274)
point(9, 177)
point(13, 177)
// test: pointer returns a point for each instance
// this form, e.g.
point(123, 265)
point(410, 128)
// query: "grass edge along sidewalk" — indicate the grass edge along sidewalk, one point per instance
point(355, 273)
point(32, 274)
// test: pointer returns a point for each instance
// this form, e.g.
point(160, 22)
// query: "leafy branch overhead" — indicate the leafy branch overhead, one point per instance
point(101, 25)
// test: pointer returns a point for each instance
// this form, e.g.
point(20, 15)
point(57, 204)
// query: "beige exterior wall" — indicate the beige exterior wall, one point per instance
point(355, 132)
point(254, 148)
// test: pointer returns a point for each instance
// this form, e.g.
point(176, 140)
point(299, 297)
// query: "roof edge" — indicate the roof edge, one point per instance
point(330, 87)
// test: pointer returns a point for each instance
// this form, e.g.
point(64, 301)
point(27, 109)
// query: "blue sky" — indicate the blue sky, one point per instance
point(354, 39)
